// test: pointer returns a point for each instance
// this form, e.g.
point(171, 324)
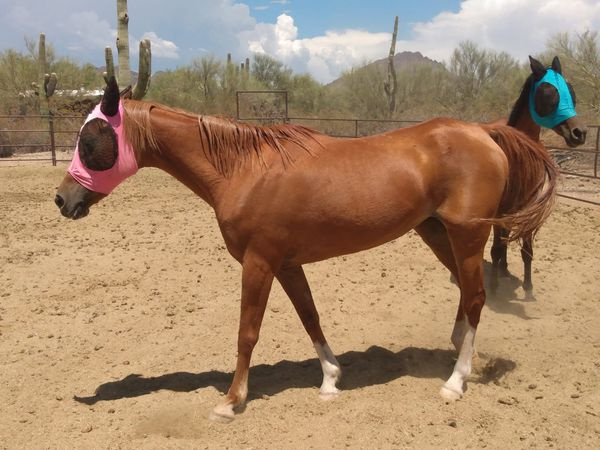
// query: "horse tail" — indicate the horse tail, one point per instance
point(530, 190)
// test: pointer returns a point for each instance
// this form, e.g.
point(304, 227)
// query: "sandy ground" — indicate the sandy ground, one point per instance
point(119, 331)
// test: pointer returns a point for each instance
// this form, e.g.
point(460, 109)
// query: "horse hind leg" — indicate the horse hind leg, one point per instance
point(468, 244)
point(499, 257)
point(527, 256)
point(294, 283)
point(434, 234)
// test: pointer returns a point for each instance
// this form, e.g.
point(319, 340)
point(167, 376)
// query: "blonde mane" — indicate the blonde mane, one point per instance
point(227, 144)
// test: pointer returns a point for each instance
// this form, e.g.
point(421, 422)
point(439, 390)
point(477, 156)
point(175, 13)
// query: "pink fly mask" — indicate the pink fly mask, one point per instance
point(104, 181)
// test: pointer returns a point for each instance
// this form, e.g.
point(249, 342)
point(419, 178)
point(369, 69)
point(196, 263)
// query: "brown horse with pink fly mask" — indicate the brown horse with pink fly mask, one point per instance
point(546, 100)
point(285, 196)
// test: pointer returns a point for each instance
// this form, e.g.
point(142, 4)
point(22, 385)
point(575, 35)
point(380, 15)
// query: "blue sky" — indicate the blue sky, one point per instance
point(313, 17)
point(322, 37)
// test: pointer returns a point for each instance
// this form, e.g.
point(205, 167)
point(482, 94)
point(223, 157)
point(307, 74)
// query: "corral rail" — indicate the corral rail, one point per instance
point(25, 138)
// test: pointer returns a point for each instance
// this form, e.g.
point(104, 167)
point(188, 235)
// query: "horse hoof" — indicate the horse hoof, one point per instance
point(222, 414)
point(328, 396)
point(449, 394)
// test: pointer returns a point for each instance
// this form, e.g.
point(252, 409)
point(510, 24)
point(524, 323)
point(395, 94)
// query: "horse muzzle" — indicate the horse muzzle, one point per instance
point(73, 200)
point(79, 211)
point(572, 131)
point(576, 137)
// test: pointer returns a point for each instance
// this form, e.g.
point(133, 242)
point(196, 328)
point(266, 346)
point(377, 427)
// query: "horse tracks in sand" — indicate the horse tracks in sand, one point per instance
point(120, 330)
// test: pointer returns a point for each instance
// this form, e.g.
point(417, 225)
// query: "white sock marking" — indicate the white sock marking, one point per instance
point(453, 388)
point(331, 369)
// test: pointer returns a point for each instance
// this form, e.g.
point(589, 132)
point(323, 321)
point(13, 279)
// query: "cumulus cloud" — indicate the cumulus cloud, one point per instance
point(86, 30)
point(161, 48)
point(323, 56)
point(517, 27)
point(84, 27)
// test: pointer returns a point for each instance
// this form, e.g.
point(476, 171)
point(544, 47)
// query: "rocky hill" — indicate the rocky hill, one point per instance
point(402, 61)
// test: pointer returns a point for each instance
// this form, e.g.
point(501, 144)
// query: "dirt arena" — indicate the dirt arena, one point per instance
point(119, 331)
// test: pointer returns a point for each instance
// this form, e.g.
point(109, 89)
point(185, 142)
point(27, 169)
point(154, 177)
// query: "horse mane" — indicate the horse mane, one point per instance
point(230, 145)
point(522, 102)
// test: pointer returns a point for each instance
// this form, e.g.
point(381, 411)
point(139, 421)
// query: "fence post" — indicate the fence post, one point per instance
point(597, 151)
point(355, 127)
point(52, 141)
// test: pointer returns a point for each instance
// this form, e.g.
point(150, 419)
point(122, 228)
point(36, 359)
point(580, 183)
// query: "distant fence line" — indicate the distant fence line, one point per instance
point(60, 132)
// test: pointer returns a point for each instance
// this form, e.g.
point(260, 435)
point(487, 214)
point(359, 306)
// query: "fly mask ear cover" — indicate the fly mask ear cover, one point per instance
point(105, 181)
point(565, 108)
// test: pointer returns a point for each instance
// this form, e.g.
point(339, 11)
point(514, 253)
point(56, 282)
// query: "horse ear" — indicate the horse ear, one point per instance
point(537, 68)
point(110, 100)
point(556, 65)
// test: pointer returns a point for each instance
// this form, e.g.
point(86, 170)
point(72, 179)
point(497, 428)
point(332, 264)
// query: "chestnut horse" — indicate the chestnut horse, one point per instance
point(546, 100)
point(285, 196)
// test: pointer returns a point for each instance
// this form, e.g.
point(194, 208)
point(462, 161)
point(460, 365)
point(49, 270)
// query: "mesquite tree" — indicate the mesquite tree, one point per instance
point(124, 78)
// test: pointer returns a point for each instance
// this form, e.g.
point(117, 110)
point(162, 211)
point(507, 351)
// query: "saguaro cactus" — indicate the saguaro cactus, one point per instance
point(124, 78)
point(47, 82)
point(391, 85)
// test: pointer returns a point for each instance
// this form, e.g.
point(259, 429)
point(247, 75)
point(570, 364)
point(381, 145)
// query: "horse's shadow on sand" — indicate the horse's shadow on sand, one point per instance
point(373, 366)
point(509, 297)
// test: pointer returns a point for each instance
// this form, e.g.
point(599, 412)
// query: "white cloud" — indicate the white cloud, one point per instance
point(81, 28)
point(161, 48)
point(515, 26)
point(86, 30)
point(323, 56)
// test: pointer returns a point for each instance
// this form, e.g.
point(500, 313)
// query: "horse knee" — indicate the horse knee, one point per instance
point(247, 342)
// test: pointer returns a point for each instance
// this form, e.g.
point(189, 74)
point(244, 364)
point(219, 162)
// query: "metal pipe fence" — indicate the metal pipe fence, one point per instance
point(26, 135)
point(58, 133)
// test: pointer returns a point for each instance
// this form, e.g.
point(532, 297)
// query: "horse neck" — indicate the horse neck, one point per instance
point(520, 117)
point(180, 153)
point(525, 124)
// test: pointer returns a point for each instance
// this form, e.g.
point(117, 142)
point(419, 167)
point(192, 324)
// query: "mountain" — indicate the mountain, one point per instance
point(402, 61)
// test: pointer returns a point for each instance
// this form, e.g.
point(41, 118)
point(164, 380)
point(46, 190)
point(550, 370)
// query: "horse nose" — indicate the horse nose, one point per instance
point(579, 134)
point(59, 201)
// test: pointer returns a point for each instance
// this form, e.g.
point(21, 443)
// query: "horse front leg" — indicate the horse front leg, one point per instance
point(257, 279)
point(527, 255)
point(294, 283)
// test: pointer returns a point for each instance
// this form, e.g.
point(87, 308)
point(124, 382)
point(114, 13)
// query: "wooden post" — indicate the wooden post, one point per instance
point(52, 141)
point(597, 152)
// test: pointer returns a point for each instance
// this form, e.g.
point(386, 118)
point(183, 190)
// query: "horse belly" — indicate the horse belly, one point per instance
point(330, 228)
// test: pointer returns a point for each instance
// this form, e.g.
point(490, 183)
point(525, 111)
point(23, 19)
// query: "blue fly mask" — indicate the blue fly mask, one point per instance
point(565, 109)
